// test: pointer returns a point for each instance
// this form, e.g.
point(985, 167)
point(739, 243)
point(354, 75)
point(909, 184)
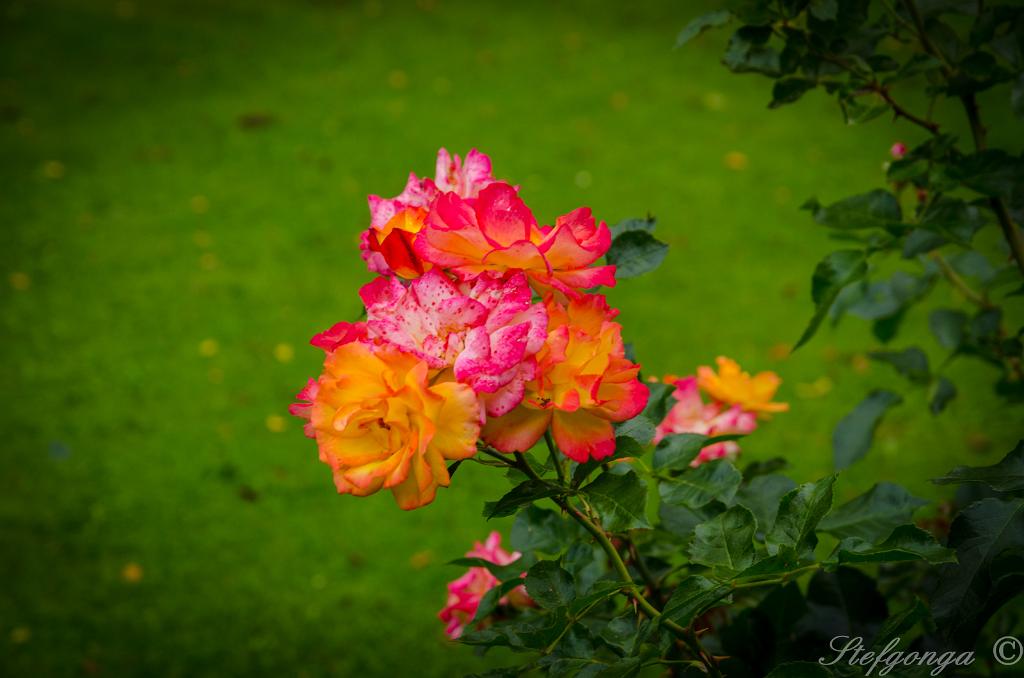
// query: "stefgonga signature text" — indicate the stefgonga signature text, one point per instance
point(851, 648)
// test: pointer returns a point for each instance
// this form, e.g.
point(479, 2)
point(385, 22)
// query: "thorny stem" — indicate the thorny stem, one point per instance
point(1010, 232)
point(901, 112)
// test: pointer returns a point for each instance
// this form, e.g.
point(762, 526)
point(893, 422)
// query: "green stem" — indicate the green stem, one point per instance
point(753, 582)
point(556, 458)
point(684, 634)
point(957, 282)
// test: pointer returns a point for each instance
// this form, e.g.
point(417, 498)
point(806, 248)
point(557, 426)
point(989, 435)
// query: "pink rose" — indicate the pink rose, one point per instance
point(466, 592)
point(691, 414)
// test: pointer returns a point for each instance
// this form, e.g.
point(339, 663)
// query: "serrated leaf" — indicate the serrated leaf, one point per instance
point(992, 172)
point(963, 600)
point(682, 520)
point(762, 495)
point(800, 511)
point(833, 273)
point(620, 500)
point(489, 601)
point(876, 209)
point(692, 596)
point(702, 23)
point(874, 514)
point(748, 51)
point(549, 585)
point(677, 451)
point(538, 529)
point(907, 542)
point(852, 436)
point(522, 494)
point(634, 253)
point(502, 572)
point(1005, 476)
point(694, 488)
point(900, 623)
point(726, 541)
point(640, 429)
point(635, 224)
point(787, 90)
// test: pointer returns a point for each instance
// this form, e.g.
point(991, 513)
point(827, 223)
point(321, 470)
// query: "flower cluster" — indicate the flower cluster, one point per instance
point(466, 592)
point(479, 327)
point(737, 401)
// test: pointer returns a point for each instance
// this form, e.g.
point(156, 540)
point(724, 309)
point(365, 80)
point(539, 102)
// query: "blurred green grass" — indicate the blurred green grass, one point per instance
point(184, 185)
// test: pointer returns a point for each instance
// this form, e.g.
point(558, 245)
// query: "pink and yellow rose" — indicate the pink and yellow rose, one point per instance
point(733, 386)
point(498, 232)
point(584, 384)
point(690, 414)
point(394, 222)
point(382, 420)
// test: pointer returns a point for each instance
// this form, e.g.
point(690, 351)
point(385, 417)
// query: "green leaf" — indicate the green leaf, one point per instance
point(635, 224)
point(634, 253)
point(824, 10)
point(549, 585)
point(639, 429)
point(800, 511)
point(694, 488)
point(907, 542)
point(876, 209)
point(1017, 96)
point(800, 670)
point(762, 495)
point(675, 452)
point(941, 394)
point(874, 514)
point(787, 90)
point(502, 572)
point(833, 273)
point(692, 596)
point(1005, 476)
point(489, 601)
point(764, 467)
point(522, 494)
point(702, 23)
point(682, 520)
point(991, 172)
point(852, 436)
point(953, 219)
point(538, 529)
point(620, 500)
point(726, 541)
point(948, 326)
point(900, 623)
point(911, 362)
point(748, 52)
point(964, 600)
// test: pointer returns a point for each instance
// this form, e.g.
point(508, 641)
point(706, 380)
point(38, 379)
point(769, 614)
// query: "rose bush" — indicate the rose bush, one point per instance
point(483, 335)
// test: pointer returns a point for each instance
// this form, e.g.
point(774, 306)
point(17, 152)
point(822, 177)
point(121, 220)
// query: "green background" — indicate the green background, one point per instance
point(183, 187)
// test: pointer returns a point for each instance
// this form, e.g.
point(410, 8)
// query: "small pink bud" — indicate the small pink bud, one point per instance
point(898, 150)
